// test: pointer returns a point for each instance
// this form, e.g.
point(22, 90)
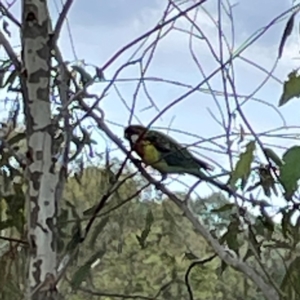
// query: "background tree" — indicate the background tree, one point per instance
point(82, 218)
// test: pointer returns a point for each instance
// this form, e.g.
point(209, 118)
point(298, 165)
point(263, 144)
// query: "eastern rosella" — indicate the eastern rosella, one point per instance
point(163, 153)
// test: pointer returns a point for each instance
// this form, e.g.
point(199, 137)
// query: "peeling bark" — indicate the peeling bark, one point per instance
point(42, 181)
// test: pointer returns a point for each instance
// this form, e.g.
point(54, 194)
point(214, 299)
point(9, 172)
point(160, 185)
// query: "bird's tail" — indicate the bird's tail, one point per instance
point(204, 165)
point(198, 173)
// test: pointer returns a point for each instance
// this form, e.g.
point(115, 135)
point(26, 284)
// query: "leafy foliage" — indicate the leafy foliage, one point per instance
point(289, 285)
point(166, 238)
point(115, 261)
point(243, 166)
point(291, 88)
point(290, 170)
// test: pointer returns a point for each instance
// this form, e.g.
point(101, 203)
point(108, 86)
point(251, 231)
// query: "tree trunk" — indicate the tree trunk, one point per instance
point(40, 172)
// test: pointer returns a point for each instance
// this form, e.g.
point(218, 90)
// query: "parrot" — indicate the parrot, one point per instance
point(163, 153)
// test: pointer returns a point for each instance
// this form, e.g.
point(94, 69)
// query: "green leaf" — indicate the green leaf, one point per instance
point(267, 180)
point(287, 32)
point(73, 210)
point(6, 224)
point(223, 208)
point(232, 242)
point(90, 211)
point(76, 238)
point(149, 218)
point(291, 88)
point(248, 254)
point(16, 138)
point(264, 226)
point(149, 221)
point(15, 203)
point(85, 77)
point(12, 290)
point(243, 167)
point(252, 239)
point(290, 171)
point(19, 221)
point(81, 274)
point(97, 230)
point(60, 244)
point(220, 270)
point(11, 79)
point(273, 156)
point(286, 226)
point(80, 142)
point(190, 256)
point(230, 237)
point(15, 211)
point(63, 217)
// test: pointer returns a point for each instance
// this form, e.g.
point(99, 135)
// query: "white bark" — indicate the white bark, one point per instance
point(42, 179)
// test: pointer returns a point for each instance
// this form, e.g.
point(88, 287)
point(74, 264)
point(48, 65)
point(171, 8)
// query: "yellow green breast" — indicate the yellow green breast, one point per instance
point(152, 157)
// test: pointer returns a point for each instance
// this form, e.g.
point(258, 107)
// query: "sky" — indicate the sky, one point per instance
point(96, 30)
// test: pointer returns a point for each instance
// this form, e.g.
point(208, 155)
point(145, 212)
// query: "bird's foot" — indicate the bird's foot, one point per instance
point(163, 177)
point(157, 185)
